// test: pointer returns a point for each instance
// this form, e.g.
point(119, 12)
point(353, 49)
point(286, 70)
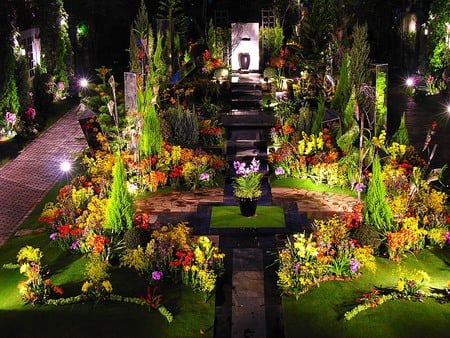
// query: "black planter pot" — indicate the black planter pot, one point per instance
point(248, 206)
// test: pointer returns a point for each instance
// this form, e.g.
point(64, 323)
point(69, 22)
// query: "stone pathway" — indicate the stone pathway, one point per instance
point(26, 179)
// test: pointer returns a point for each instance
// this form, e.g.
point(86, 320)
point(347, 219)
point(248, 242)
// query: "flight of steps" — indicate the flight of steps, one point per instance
point(247, 128)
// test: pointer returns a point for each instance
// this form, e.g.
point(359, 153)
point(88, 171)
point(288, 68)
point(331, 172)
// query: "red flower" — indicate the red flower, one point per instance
point(64, 230)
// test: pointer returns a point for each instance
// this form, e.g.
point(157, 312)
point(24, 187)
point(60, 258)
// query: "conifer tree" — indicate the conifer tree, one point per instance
point(343, 90)
point(401, 135)
point(376, 210)
point(120, 209)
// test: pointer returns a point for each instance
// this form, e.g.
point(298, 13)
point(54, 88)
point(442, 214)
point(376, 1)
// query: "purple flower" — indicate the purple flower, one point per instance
point(279, 171)
point(60, 85)
point(75, 245)
point(204, 177)
point(447, 236)
point(359, 187)
point(157, 275)
point(354, 265)
point(53, 236)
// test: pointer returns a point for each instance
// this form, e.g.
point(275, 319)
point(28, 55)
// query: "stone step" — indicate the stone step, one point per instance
point(248, 120)
point(248, 304)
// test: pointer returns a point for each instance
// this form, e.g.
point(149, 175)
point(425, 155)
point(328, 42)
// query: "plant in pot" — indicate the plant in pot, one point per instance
point(247, 186)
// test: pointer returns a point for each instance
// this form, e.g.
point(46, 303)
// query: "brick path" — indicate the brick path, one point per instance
point(26, 179)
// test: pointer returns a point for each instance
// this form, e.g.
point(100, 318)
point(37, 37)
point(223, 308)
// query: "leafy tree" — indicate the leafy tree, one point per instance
point(9, 101)
point(56, 48)
point(8, 88)
point(438, 46)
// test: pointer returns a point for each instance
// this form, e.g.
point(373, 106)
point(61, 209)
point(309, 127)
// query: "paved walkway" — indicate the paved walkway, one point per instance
point(26, 179)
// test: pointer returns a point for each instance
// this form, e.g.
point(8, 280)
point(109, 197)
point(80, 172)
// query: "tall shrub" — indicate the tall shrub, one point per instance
point(316, 126)
point(147, 60)
point(9, 100)
point(120, 208)
point(343, 90)
point(401, 135)
point(376, 210)
point(56, 48)
point(359, 58)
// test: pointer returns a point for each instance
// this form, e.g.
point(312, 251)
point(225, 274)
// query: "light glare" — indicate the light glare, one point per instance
point(65, 166)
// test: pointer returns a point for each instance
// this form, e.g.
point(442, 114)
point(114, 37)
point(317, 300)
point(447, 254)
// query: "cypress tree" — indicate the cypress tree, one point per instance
point(376, 210)
point(401, 135)
point(120, 209)
point(343, 90)
point(359, 58)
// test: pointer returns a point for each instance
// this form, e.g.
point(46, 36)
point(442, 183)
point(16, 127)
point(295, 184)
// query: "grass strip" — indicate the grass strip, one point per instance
point(230, 217)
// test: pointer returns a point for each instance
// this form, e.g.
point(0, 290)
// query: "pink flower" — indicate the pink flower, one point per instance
point(10, 118)
point(30, 113)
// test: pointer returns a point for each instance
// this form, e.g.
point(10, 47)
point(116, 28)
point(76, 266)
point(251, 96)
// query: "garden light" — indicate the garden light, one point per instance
point(410, 82)
point(83, 82)
point(65, 166)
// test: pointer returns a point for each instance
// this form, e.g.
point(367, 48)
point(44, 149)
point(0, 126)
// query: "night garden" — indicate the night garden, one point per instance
point(305, 210)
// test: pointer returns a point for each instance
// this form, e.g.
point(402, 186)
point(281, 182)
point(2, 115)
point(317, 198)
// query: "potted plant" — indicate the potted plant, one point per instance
point(247, 186)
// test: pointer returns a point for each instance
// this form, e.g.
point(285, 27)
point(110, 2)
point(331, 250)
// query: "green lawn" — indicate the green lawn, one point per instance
point(192, 314)
point(193, 317)
point(230, 217)
point(319, 312)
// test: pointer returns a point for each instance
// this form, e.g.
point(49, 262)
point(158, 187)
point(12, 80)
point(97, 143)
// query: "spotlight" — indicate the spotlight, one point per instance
point(83, 83)
point(410, 82)
point(65, 166)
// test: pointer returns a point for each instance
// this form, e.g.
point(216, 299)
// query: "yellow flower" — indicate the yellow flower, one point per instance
point(401, 285)
point(107, 286)
point(86, 286)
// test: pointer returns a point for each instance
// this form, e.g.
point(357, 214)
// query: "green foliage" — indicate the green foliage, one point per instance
point(318, 115)
point(151, 139)
point(9, 100)
point(23, 83)
point(376, 210)
point(184, 126)
point(359, 58)
point(120, 208)
point(172, 11)
point(380, 100)
point(346, 140)
point(315, 33)
point(437, 44)
point(41, 94)
point(367, 235)
point(55, 44)
point(272, 38)
point(148, 61)
point(401, 135)
point(348, 119)
point(140, 31)
point(343, 89)
point(135, 237)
